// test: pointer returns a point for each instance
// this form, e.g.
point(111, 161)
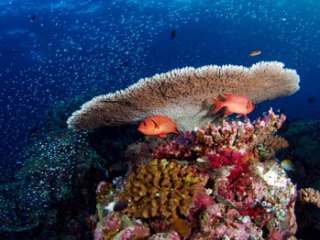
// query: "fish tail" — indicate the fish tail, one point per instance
point(218, 105)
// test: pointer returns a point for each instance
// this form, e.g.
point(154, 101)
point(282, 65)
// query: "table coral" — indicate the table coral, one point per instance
point(181, 94)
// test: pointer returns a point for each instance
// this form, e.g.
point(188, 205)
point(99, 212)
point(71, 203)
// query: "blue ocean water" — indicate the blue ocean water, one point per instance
point(54, 51)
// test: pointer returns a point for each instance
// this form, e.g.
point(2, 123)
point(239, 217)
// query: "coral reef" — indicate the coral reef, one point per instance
point(219, 222)
point(184, 94)
point(264, 193)
point(203, 184)
point(233, 141)
point(270, 145)
point(309, 195)
point(276, 142)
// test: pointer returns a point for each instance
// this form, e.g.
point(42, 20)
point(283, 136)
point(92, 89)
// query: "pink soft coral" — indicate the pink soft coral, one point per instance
point(224, 156)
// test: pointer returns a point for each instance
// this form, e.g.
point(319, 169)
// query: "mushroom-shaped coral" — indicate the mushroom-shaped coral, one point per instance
point(184, 94)
point(161, 189)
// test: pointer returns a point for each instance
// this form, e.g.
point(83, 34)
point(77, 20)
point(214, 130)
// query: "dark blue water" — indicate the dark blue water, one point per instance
point(53, 51)
point(55, 55)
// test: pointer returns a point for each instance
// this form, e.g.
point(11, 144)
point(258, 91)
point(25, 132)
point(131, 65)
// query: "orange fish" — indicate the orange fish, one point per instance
point(254, 53)
point(158, 125)
point(234, 104)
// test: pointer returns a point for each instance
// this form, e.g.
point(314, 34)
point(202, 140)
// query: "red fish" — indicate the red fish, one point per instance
point(254, 53)
point(158, 125)
point(234, 104)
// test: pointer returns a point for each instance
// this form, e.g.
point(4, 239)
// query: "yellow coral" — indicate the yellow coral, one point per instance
point(161, 189)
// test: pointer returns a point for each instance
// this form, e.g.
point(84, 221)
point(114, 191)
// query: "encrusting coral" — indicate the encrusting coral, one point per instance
point(309, 195)
point(227, 222)
point(184, 94)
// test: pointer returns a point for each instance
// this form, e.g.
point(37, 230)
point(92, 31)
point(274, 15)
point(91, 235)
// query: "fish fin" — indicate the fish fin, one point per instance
point(227, 95)
point(218, 105)
point(227, 112)
point(155, 124)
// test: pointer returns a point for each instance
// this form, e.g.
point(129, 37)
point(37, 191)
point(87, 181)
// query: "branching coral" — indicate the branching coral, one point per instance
point(228, 144)
point(269, 143)
point(309, 195)
point(225, 156)
point(275, 142)
point(268, 147)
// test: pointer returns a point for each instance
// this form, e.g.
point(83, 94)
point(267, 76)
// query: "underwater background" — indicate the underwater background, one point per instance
point(56, 55)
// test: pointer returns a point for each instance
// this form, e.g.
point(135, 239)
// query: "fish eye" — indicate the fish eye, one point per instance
point(144, 123)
